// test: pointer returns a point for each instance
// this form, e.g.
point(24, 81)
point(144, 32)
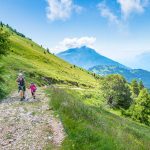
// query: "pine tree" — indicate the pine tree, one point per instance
point(7, 26)
point(141, 85)
point(1, 24)
point(134, 88)
point(48, 50)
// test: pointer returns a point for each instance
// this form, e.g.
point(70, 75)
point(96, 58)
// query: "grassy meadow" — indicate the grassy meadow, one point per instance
point(91, 127)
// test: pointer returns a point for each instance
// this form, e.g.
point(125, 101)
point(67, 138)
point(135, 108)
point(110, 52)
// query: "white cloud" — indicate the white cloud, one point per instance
point(61, 9)
point(78, 42)
point(107, 13)
point(132, 6)
point(75, 42)
point(126, 8)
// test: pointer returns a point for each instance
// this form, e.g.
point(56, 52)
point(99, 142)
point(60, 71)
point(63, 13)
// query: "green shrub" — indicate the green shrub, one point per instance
point(141, 108)
point(4, 49)
point(116, 91)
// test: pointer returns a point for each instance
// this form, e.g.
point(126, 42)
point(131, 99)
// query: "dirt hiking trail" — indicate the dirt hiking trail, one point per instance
point(29, 125)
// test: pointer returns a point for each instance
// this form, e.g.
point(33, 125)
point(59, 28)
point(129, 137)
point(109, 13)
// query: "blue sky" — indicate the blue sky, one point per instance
point(119, 29)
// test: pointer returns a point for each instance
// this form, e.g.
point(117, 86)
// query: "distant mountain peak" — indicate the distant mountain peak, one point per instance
point(84, 47)
point(78, 49)
point(86, 57)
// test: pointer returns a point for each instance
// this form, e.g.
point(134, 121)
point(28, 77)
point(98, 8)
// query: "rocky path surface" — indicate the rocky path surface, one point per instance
point(28, 125)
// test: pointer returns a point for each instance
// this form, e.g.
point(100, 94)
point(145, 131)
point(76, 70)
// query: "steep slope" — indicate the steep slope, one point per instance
point(129, 74)
point(86, 58)
point(39, 66)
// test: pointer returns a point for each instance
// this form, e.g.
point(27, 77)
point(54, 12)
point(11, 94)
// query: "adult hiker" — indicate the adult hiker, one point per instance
point(21, 86)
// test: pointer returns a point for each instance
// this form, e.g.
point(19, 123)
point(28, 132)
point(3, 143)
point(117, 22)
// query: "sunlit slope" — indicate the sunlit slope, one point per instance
point(40, 66)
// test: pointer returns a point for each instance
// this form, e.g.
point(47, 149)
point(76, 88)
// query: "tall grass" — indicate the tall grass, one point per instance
point(92, 128)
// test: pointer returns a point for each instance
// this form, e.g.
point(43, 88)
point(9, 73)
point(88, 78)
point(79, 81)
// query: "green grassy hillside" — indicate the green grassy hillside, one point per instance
point(39, 66)
point(91, 127)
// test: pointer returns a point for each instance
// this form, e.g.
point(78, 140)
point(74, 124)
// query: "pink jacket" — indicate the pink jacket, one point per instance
point(33, 88)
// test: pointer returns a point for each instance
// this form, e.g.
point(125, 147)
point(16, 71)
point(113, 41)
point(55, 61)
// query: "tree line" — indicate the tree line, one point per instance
point(4, 50)
point(132, 98)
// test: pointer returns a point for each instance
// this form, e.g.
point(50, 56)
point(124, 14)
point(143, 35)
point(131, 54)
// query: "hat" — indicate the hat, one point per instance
point(20, 74)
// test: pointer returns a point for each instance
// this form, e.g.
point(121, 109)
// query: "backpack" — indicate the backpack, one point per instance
point(22, 82)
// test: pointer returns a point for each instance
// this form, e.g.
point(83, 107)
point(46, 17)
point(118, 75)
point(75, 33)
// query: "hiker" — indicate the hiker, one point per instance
point(33, 89)
point(21, 86)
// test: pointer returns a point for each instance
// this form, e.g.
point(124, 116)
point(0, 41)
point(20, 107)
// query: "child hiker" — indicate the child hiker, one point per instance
point(33, 89)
